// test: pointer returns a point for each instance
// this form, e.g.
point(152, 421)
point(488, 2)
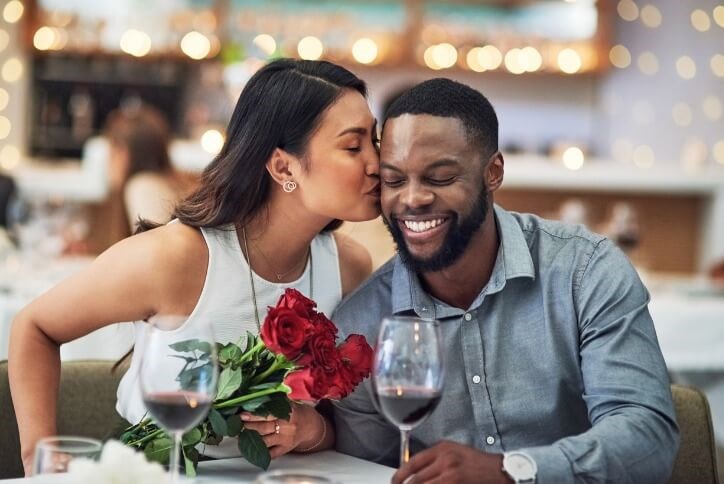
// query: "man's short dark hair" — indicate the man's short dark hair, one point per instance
point(450, 99)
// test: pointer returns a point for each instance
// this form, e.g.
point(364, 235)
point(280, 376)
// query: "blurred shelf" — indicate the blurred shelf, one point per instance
point(538, 172)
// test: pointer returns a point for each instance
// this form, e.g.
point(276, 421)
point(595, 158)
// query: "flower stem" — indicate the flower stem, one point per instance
point(254, 350)
point(150, 436)
point(236, 401)
point(263, 376)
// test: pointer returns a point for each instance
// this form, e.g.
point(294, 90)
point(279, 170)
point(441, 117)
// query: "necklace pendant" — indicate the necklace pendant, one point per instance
point(279, 278)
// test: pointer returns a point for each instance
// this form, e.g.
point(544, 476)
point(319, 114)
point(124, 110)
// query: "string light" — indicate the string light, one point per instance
point(4, 40)
point(444, 55)
point(627, 10)
point(573, 158)
point(13, 11)
point(195, 45)
point(569, 61)
point(135, 43)
point(651, 16)
point(619, 56)
point(4, 99)
point(686, 67)
point(648, 63)
point(712, 108)
point(266, 43)
point(718, 15)
point(5, 127)
point(364, 50)
point(12, 70)
point(719, 151)
point(310, 48)
point(212, 141)
point(717, 65)
point(513, 62)
point(700, 20)
point(44, 38)
point(643, 156)
point(9, 157)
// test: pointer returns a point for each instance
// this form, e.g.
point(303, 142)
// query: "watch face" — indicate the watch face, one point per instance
point(519, 466)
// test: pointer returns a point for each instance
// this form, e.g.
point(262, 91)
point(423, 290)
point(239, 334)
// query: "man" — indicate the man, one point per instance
point(549, 347)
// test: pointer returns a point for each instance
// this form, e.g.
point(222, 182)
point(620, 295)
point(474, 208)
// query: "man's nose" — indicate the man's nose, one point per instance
point(416, 195)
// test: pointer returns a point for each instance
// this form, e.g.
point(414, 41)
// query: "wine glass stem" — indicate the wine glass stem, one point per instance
point(174, 460)
point(404, 447)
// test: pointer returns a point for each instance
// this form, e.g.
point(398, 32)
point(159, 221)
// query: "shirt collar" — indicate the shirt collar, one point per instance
point(513, 260)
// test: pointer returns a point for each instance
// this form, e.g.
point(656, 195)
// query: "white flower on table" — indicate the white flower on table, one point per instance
point(118, 464)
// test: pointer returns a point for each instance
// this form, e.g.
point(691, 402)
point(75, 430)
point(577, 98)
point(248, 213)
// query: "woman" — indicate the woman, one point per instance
point(301, 153)
point(140, 172)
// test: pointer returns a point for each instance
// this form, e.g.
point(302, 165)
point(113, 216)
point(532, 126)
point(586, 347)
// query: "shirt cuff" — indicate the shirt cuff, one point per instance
point(553, 466)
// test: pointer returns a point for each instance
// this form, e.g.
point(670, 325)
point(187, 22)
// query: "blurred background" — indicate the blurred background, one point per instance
point(611, 115)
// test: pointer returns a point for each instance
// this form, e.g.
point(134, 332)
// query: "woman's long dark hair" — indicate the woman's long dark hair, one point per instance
point(280, 107)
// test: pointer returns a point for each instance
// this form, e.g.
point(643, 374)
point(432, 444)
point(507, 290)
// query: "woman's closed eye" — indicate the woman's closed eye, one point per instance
point(392, 182)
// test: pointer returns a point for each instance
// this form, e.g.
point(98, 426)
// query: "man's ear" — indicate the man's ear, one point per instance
point(494, 171)
point(282, 166)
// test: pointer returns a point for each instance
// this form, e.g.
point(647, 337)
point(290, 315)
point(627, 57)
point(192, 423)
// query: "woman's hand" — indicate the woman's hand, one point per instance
point(282, 436)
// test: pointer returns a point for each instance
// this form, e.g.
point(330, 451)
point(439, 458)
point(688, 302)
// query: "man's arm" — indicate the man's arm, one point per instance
point(634, 437)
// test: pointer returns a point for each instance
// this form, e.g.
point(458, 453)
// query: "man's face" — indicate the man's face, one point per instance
point(434, 198)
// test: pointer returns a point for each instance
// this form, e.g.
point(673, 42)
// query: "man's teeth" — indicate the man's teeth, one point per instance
point(423, 226)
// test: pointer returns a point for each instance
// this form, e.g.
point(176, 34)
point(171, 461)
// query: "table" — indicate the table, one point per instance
point(342, 468)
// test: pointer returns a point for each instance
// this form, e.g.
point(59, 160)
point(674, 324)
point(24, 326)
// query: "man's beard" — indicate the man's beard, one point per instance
point(453, 247)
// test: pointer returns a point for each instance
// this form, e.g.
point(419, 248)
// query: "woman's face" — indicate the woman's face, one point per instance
point(341, 179)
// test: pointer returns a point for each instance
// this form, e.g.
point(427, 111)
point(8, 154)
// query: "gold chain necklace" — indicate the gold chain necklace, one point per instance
point(279, 275)
point(251, 278)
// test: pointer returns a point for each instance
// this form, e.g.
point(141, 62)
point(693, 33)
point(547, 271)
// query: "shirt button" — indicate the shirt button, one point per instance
point(476, 379)
point(468, 316)
point(490, 440)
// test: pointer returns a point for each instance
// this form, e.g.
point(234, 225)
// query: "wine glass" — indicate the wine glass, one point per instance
point(53, 454)
point(408, 373)
point(178, 377)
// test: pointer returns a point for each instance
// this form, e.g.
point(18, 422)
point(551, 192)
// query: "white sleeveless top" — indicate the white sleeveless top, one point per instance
point(226, 301)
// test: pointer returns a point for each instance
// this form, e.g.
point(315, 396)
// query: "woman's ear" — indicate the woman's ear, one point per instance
point(494, 171)
point(282, 166)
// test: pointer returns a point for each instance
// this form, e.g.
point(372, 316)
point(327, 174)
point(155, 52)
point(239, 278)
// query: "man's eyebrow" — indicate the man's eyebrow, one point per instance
point(443, 163)
point(387, 166)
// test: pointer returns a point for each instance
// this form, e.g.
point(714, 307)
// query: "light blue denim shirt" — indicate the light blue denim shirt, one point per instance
point(557, 356)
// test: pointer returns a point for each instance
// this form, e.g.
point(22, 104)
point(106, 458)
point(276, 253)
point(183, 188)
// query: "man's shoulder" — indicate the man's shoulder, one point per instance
point(535, 228)
point(367, 304)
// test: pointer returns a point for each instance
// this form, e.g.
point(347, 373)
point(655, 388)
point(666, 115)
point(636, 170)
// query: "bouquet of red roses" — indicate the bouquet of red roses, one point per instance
point(295, 358)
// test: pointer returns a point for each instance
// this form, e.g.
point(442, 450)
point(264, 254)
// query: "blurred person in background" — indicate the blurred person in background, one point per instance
point(301, 155)
point(140, 171)
point(7, 190)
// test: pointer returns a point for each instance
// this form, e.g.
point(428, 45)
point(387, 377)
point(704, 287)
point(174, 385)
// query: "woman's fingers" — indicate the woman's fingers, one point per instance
point(265, 427)
point(248, 417)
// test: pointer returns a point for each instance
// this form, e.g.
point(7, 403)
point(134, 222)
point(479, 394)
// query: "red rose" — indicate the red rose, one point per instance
point(357, 356)
point(298, 302)
point(285, 332)
point(340, 383)
point(323, 326)
point(324, 352)
point(308, 384)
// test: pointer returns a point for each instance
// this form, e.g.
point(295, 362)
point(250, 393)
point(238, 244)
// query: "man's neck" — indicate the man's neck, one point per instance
point(459, 284)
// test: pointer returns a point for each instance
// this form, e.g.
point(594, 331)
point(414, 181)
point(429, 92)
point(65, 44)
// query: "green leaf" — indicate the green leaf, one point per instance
point(253, 404)
point(230, 353)
point(189, 461)
point(218, 423)
point(279, 406)
point(158, 450)
point(192, 438)
point(233, 426)
point(253, 449)
point(191, 345)
point(229, 382)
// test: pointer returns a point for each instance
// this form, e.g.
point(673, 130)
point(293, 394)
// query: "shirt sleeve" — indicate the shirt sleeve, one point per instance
point(634, 437)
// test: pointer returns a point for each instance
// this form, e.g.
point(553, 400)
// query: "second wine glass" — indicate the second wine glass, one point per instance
point(408, 373)
point(178, 377)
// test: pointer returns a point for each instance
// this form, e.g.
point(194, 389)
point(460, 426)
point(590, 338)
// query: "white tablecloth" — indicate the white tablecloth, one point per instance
point(342, 468)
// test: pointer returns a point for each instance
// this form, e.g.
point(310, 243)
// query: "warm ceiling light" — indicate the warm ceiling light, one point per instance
point(718, 15)
point(12, 70)
point(700, 20)
point(719, 151)
point(712, 108)
point(643, 156)
point(531, 59)
point(490, 57)
point(627, 10)
point(569, 61)
point(4, 98)
point(9, 157)
point(364, 50)
point(444, 55)
point(429, 59)
point(651, 16)
point(648, 63)
point(682, 114)
point(620, 56)
point(266, 43)
point(135, 43)
point(573, 158)
point(5, 127)
point(13, 11)
point(473, 59)
point(195, 45)
point(4, 40)
point(44, 38)
point(513, 62)
point(310, 48)
point(717, 65)
point(686, 67)
point(212, 141)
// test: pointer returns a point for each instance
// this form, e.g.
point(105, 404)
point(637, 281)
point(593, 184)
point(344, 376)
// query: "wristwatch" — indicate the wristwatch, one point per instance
point(520, 467)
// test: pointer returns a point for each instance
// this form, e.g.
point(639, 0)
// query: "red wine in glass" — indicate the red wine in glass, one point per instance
point(177, 410)
point(407, 407)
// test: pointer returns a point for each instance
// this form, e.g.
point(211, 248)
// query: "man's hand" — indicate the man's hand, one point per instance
point(451, 463)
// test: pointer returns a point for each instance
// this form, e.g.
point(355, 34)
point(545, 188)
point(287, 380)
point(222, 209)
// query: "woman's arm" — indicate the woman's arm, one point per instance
point(132, 280)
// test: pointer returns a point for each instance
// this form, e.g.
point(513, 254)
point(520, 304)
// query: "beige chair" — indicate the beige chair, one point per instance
point(696, 460)
point(86, 407)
